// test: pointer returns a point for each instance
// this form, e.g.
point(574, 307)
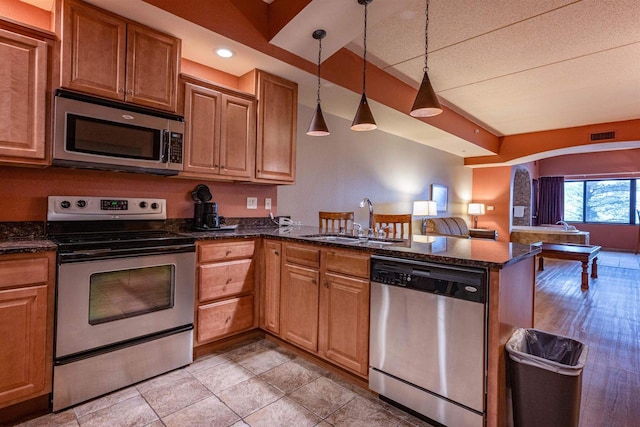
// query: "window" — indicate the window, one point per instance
point(611, 201)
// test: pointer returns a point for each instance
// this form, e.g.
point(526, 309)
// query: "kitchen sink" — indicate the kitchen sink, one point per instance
point(351, 240)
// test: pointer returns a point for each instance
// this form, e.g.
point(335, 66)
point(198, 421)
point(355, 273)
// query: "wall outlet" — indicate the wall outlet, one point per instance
point(267, 203)
point(490, 208)
point(252, 203)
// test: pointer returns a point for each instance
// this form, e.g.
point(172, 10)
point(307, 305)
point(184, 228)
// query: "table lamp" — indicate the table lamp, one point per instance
point(476, 209)
point(425, 208)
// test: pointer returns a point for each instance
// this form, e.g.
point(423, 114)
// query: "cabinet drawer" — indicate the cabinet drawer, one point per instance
point(19, 272)
point(223, 251)
point(225, 279)
point(223, 318)
point(350, 263)
point(302, 255)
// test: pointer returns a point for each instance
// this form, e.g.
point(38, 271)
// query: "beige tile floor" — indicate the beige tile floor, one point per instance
point(255, 384)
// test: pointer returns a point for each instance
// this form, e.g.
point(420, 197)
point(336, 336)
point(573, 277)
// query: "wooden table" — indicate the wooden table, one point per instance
point(583, 253)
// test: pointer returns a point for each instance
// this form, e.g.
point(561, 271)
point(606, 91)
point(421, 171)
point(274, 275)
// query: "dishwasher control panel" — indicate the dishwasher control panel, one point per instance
point(458, 282)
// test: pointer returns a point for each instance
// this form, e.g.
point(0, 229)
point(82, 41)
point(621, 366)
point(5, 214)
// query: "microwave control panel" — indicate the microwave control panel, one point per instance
point(175, 147)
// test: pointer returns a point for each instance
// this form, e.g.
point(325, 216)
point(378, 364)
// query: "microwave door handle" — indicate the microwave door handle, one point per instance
point(165, 146)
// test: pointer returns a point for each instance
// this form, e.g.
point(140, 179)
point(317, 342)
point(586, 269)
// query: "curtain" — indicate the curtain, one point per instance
point(551, 199)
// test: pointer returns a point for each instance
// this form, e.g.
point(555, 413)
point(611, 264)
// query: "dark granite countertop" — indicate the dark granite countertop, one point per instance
point(450, 250)
point(26, 246)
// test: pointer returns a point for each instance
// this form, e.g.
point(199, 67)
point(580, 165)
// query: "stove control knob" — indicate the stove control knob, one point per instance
point(154, 206)
point(81, 204)
point(65, 204)
point(143, 205)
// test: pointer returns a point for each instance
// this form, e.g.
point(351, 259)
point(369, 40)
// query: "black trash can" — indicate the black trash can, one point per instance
point(546, 378)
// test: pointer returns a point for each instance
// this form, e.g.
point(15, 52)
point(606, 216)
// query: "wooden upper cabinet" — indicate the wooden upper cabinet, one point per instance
point(152, 68)
point(277, 122)
point(105, 55)
point(220, 131)
point(23, 103)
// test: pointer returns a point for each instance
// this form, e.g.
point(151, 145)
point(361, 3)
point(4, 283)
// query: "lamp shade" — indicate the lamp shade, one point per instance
point(363, 120)
point(425, 208)
point(318, 127)
point(426, 103)
point(476, 209)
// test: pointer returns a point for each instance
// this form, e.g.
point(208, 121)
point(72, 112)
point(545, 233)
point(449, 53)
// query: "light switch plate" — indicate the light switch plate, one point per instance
point(252, 203)
point(267, 203)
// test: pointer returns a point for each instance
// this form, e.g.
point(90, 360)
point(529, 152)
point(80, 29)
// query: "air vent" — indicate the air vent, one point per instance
point(603, 135)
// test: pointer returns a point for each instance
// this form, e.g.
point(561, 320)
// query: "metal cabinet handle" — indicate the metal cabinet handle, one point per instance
point(326, 284)
point(276, 253)
point(314, 281)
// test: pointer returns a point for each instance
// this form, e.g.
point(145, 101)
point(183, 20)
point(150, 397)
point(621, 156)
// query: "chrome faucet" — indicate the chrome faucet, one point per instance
point(566, 226)
point(367, 202)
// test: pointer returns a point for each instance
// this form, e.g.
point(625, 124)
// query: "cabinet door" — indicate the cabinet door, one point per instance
point(23, 85)
point(270, 296)
point(299, 301)
point(344, 320)
point(277, 118)
point(93, 51)
point(224, 279)
point(26, 326)
point(202, 133)
point(237, 138)
point(152, 68)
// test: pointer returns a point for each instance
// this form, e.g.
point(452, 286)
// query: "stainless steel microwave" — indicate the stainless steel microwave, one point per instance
point(100, 134)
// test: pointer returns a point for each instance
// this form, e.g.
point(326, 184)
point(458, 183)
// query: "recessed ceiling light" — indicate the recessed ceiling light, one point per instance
point(224, 52)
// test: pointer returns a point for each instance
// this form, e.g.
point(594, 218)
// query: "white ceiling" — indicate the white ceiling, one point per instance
point(512, 66)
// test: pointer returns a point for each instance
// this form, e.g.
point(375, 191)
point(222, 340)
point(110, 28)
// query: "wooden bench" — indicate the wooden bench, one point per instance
point(583, 253)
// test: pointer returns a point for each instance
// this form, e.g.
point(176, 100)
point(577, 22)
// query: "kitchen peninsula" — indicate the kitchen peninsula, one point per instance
point(510, 268)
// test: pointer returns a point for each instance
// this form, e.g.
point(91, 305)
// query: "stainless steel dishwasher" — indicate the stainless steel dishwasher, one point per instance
point(428, 339)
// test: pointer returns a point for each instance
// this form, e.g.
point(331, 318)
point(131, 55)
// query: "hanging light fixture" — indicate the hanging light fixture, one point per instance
point(318, 127)
point(364, 119)
point(426, 103)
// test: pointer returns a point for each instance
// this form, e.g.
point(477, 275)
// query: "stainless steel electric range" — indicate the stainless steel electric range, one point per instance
point(124, 295)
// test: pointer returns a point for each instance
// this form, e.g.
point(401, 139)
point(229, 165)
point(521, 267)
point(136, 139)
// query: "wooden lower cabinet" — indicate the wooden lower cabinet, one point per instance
point(300, 299)
point(225, 289)
point(224, 318)
point(26, 326)
point(270, 287)
point(324, 303)
point(344, 315)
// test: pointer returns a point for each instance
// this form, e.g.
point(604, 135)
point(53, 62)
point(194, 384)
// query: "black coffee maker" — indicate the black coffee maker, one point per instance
point(205, 212)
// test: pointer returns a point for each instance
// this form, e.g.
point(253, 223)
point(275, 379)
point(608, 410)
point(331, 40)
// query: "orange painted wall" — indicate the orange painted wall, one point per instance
point(26, 13)
point(24, 191)
point(492, 186)
point(518, 146)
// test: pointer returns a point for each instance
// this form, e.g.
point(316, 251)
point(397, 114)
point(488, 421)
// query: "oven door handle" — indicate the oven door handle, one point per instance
point(106, 253)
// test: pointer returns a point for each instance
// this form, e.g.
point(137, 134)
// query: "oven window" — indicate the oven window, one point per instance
point(95, 136)
point(121, 294)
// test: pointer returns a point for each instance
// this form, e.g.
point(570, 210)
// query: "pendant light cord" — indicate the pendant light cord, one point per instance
point(364, 57)
point(319, 59)
point(426, 38)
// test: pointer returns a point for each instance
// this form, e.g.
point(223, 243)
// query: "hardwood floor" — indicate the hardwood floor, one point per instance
point(606, 318)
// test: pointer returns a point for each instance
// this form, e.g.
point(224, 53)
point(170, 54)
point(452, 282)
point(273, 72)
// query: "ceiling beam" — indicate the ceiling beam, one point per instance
point(521, 146)
point(247, 25)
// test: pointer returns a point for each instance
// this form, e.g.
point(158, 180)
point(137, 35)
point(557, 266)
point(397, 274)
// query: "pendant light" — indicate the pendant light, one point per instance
point(426, 103)
point(318, 127)
point(364, 119)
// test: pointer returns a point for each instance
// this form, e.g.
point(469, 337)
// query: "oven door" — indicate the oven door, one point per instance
point(106, 302)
